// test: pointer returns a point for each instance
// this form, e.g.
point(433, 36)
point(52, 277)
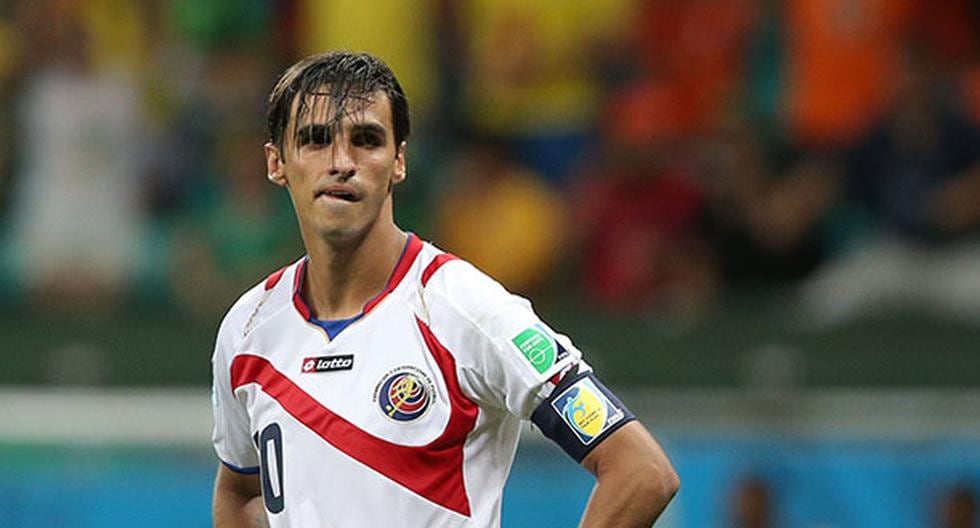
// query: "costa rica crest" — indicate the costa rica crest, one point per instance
point(404, 394)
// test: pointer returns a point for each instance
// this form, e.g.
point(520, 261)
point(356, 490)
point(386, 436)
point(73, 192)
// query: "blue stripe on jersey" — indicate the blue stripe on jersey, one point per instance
point(241, 470)
point(333, 328)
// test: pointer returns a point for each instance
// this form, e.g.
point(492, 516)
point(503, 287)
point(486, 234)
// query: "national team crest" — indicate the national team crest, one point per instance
point(404, 394)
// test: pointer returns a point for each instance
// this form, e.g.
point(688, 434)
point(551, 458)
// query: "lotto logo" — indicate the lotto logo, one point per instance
point(328, 363)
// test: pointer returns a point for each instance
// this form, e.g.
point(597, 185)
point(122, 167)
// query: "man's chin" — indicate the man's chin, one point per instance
point(341, 235)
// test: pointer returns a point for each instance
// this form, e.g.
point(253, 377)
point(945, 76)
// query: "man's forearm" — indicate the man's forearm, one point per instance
point(237, 500)
point(237, 512)
point(634, 480)
point(628, 500)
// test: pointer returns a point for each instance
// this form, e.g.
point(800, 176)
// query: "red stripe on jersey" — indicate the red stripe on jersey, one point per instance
point(273, 279)
point(298, 301)
point(412, 249)
point(434, 266)
point(433, 471)
point(464, 410)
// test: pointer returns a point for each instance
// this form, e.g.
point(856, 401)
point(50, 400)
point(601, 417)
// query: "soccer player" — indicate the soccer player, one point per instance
point(379, 381)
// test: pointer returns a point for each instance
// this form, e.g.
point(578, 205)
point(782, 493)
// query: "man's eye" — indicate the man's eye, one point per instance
point(367, 140)
point(314, 136)
point(315, 140)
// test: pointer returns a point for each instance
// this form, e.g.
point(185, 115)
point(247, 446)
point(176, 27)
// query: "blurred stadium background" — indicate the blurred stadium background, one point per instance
point(759, 218)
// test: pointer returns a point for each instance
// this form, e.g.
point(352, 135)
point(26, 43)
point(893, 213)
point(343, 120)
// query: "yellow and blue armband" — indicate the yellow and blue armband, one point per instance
point(580, 413)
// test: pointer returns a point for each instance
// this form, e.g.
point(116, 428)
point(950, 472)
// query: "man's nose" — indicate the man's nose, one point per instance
point(342, 160)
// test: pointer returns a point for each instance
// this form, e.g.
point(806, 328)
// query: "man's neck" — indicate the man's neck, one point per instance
point(341, 279)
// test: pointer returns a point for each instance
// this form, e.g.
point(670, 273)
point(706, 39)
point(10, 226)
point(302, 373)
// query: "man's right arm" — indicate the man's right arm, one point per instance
point(238, 500)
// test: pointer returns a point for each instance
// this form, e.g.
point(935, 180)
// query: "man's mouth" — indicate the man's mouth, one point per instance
point(346, 195)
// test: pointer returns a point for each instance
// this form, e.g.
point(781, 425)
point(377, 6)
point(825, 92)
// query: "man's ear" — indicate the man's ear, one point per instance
point(401, 170)
point(274, 165)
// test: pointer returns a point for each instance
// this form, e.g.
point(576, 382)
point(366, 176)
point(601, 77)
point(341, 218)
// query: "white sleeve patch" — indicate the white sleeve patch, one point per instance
point(539, 348)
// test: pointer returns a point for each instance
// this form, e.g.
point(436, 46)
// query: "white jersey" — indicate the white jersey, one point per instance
point(410, 416)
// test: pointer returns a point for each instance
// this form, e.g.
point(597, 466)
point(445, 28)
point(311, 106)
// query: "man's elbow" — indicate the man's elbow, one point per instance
point(633, 463)
point(659, 483)
point(671, 484)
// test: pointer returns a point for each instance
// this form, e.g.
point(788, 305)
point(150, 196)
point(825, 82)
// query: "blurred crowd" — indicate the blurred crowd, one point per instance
point(643, 155)
point(754, 502)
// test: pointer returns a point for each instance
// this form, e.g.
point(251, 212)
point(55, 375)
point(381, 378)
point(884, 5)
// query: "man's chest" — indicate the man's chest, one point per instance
point(379, 376)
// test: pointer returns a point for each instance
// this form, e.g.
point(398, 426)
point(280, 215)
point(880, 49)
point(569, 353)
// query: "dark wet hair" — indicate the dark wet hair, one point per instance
point(343, 77)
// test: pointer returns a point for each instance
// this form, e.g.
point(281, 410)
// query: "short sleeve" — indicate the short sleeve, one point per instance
point(508, 357)
point(230, 436)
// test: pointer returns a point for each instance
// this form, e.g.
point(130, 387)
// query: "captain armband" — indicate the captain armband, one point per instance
point(580, 413)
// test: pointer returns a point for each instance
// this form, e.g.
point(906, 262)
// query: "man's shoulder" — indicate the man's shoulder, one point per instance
point(469, 291)
point(258, 303)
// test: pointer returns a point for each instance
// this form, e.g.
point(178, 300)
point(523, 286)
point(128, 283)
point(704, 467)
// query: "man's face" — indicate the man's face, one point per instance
point(339, 174)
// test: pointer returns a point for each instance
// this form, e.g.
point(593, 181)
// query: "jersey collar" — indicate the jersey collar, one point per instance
point(409, 253)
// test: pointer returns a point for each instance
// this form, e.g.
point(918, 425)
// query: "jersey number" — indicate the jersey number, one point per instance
point(269, 444)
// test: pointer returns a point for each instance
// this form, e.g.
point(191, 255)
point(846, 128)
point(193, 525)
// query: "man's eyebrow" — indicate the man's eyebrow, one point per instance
point(373, 128)
point(307, 133)
point(321, 132)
